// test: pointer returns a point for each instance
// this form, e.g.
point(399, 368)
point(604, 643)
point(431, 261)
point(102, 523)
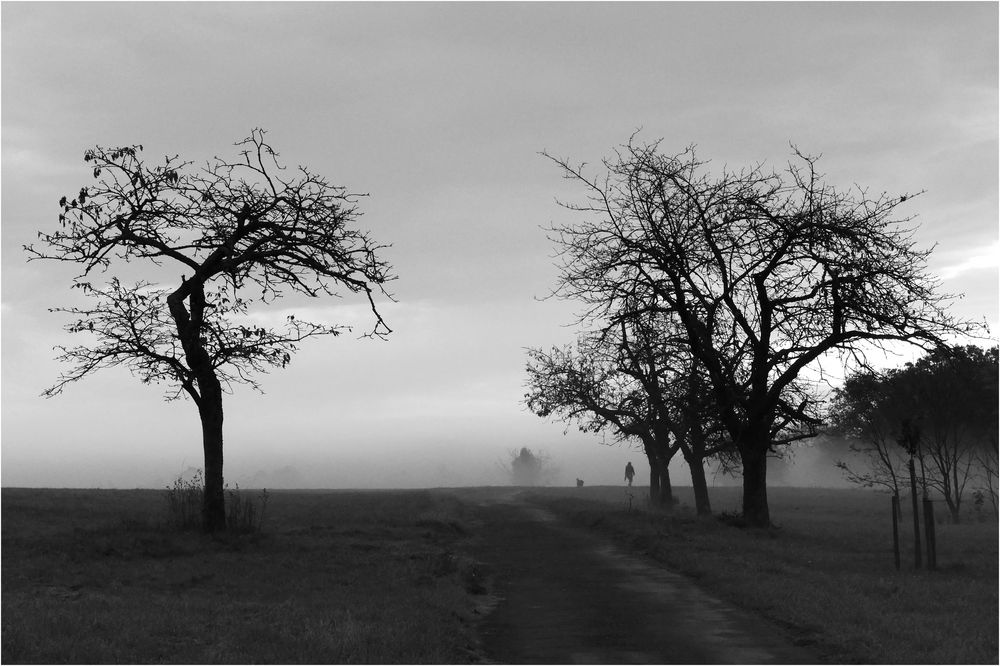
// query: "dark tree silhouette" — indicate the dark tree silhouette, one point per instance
point(632, 379)
point(227, 228)
point(526, 467)
point(764, 271)
point(579, 385)
point(945, 404)
point(865, 413)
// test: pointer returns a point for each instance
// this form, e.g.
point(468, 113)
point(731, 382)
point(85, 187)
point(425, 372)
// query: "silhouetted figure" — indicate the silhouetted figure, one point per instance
point(579, 483)
point(629, 473)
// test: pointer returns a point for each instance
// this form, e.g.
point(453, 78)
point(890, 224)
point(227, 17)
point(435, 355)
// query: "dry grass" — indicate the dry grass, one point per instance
point(826, 574)
point(379, 577)
point(362, 577)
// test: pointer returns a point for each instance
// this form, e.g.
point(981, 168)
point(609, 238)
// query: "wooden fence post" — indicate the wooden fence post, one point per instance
point(916, 515)
point(895, 528)
point(929, 534)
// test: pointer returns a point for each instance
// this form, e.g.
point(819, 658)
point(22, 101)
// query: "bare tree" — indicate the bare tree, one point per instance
point(229, 228)
point(765, 271)
point(633, 379)
point(585, 386)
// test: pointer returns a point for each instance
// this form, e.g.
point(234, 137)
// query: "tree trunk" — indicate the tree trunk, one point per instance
point(666, 490)
point(660, 491)
point(954, 510)
point(210, 410)
point(916, 514)
point(654, 480)
point(208, 396)
point(755, 510)
point(701, 502)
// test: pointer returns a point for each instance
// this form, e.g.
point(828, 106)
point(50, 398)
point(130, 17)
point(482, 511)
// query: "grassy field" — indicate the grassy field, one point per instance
point(92, 576)
point(360, 577)
point(826, 573)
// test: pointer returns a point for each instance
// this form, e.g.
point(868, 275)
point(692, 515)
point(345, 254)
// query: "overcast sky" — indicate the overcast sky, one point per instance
point(438, 111)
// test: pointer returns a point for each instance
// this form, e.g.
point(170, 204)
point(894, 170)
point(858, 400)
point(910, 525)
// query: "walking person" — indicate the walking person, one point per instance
point(629, 473)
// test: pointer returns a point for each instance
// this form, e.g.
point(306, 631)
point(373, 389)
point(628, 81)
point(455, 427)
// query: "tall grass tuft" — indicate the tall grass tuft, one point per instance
point(242, 514)
point(185, 498)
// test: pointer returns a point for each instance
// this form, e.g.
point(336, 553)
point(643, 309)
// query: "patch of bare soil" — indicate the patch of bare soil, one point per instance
point(566, 596)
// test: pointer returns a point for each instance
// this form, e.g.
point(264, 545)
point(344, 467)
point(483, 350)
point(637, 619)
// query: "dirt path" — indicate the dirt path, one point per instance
point(568, 596)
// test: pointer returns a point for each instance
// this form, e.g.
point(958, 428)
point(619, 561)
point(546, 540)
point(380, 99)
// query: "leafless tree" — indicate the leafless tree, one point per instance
point(631, 378)
point(238, 232)
point(765, 271)
point(585, 386)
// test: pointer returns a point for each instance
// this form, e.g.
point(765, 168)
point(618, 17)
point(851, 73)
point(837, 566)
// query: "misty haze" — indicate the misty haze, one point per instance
point(500, 333)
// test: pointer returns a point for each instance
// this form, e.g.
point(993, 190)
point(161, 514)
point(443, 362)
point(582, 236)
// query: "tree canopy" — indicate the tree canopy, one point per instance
point(213, 241)
point(943, 406)
point(764, 272)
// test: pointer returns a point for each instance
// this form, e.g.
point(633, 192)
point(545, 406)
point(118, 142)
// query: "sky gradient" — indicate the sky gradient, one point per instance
point(439, 112)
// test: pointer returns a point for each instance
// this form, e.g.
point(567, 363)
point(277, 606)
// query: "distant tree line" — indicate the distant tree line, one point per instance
point(940, 410)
